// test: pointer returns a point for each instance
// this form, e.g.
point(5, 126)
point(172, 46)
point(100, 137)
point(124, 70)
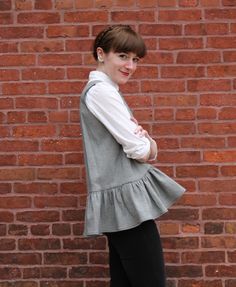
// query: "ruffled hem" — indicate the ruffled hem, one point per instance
point(128, 205)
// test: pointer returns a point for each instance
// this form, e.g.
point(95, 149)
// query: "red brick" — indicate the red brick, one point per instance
point(221, 71)
point(20, 259)
point(229, 170)
point(229, 56)
point(169, 228)
point(15, 145)
point(191, 228)
point(9, 273)
point(219, 214)
point(163, 114)
point(182, 243)
point(213, 228)
point(160, 29)
point(17, 230)
point(19, 33)
point(58, 173)
point(181, 214)
point(37, 117)
point(66, 258)
point(210, 3)
point(67, 31)
point(183, 43)
point(185, 114)
point(35, 131)
point(7, 160)
point(180, 15)
point(197, 171)
point(88, 272)
point(182, 72)
point(203, 257)
point(6, 216)
point(61, 229)
point(35, 188)
point(40, 229)
point(15, 202)
point(215, 14)
point(202, 57)
point(229, 2)
point(206, 29)
point(8, 47)
point(43, 74)
point(85, 243)
point(221, 42)
point(198, 200)
point(43, 4)
point(188, 3)
point(63, 4)
point(209, 85)
point(65, 87)
point(62, 283)
point(230, 227)
point(146, 3)
point(217, 128)
point(124, 3)
point(179, 157)
point(23, 88)
point(39, 244)
point(206, 113)
point(218, 99)
point(5, 188)
point(200, 283)
point(17, 174)
point(120, 16)
point(72, 187)
point(38, 216)
point(42, 46)
point(86, 16)
point(98, 257)
point(17, 60)
point(38, 18)
point(5, 5)
point(227, 199)
point(7, 244)
point(78, 73)
point(73, 215)
point(36, 103)
point(6, 18)
point(218, 242)
point(173, 129)
point(39, 159)
point(55, 201)
point(162, 86)
point(62, 145)
point(23, 5)
point(219, 156)
point(220, 185)
point(220, 270)
point(16, 117)
point(60, 59)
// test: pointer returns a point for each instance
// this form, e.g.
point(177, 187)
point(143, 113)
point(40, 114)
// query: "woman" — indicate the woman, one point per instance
point(126, 194)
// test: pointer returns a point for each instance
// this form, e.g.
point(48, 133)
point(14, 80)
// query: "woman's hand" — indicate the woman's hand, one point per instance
point(140, 131)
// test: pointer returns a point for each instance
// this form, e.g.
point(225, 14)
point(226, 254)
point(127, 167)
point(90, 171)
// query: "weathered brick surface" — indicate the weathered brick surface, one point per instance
point(183, 93)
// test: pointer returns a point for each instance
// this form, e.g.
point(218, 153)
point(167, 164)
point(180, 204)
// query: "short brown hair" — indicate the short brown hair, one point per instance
point(119, 38)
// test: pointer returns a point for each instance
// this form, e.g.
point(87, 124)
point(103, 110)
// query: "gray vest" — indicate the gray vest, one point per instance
point(122, 192)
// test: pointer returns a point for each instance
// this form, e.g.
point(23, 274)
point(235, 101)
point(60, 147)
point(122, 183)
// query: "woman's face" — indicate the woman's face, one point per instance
point(118, 66)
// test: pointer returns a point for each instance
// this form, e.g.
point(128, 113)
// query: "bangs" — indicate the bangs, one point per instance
point(127, 42)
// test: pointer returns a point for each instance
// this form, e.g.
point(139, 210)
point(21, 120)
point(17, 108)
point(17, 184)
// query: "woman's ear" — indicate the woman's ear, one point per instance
point(100, 54)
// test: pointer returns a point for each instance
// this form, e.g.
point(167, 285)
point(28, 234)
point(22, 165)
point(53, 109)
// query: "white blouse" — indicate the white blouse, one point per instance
point(106, 104)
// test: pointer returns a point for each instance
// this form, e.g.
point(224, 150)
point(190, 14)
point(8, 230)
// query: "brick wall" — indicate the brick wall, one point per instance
point(184, 93)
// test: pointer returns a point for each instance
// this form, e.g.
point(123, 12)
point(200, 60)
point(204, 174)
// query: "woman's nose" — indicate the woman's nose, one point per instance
point(130, 64)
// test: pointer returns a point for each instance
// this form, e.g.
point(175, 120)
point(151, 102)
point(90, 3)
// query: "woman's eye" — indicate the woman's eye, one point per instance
point(123, 56)
point(136, 60)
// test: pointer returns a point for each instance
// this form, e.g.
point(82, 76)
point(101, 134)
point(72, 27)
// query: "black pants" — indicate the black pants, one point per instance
point(136, 258)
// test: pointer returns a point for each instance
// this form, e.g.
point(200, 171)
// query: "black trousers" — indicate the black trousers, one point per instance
point(136, 257)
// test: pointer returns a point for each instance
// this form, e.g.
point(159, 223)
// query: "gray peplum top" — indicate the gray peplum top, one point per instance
point(122, 192)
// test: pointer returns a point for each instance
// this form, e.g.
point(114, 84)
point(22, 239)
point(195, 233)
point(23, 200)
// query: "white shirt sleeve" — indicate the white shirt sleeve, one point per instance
point(105, 102)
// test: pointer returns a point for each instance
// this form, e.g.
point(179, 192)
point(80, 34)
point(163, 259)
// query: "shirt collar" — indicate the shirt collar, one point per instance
point(99, 75)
